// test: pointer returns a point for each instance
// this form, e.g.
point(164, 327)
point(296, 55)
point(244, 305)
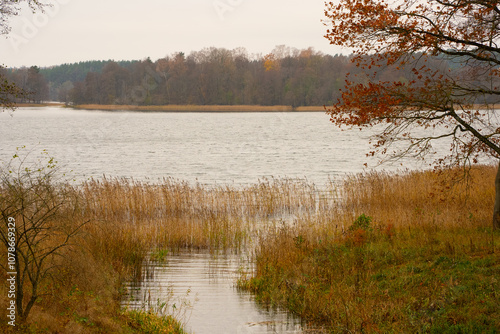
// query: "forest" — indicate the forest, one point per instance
point(211, 76)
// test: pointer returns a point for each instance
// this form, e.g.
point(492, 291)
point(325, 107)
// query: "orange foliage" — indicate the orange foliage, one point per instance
point(357, 237)
point(271, 63)
point(389, 231)
point(416, 36)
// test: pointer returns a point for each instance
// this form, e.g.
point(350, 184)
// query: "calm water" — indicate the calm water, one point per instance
point(208, 148)
point(202, 288)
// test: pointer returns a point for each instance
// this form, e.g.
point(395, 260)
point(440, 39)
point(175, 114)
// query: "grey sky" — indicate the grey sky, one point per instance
point(79, 30)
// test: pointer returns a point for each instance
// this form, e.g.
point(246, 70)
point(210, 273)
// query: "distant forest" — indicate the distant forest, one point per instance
point(212, 76)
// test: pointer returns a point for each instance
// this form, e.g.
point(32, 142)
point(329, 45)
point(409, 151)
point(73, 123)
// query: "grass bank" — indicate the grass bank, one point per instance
point(410, 253)
point(48, 104)
point(199, 108)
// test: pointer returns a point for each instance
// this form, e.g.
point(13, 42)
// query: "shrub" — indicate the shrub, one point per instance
point(362, 222)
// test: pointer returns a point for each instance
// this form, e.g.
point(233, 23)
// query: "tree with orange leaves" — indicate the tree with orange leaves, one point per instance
point(433, 102)
point(271, 63)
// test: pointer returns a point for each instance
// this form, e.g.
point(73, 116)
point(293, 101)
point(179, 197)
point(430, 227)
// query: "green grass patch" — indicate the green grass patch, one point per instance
point(151, 323)
point(370, 284)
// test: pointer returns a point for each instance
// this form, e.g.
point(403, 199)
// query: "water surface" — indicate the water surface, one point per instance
point(202, 288)
point(210, 148)
point(198, 147)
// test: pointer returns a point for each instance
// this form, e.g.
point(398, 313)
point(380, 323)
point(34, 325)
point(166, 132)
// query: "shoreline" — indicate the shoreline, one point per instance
point(38, 105)
point(198, 108)
point(186, 108)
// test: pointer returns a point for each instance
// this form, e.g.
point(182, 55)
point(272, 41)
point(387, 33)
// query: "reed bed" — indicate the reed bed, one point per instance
point(350, 256)
point(443, 198)
point(201, 108)
point(188, 108)
point(129, 220)
point(174, 214)
point(403, 253)
point(130, 201)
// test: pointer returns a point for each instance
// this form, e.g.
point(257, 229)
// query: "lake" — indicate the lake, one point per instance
point(209, 148)
point(227, 148)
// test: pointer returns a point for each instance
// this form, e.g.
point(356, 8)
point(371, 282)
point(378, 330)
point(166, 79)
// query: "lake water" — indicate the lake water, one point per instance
point(210, 148)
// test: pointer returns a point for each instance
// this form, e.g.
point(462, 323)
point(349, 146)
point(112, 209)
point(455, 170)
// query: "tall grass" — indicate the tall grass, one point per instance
point(135, 217)
point(127, 220)
point(444, 198)
point(200, 108)
point(419, 227)
point(405, 253)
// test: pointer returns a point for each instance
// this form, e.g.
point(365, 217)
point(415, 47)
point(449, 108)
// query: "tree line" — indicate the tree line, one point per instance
point(32, 85)
point(211, 76)
point(216, 76)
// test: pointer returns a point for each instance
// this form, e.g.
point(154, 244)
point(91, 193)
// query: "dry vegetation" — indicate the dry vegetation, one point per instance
point(38, 105)
point(198, 108)
point(402, 254)
point(126, 221)
point(424, 255)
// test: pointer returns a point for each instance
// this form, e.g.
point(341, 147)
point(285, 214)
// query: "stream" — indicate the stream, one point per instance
point(199, 289)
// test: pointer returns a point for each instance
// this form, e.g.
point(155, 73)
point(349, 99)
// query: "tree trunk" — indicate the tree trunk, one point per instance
point(496, 210)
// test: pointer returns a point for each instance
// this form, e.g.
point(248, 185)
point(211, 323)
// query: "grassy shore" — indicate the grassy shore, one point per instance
point(126, 221)
point(48, 104)
point(199, 108)
point(380, 253)
point(411, 253)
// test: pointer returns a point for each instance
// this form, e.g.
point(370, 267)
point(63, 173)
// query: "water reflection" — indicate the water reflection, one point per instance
point(199, 289)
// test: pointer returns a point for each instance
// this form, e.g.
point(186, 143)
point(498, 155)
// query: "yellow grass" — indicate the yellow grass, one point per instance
point(299, 229)
point(427, 261)
point(175, 214)
point(417, 198)
point(49, 104)
point(201, 108)
point(198, 108)
point(311, 108)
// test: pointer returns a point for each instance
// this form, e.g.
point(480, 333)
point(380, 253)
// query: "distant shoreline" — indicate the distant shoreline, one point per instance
point(198, 108)
point(193, 108)
point(33, 105)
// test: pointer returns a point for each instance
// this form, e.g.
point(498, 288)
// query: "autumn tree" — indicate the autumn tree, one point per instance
point(37, 224)
point(454, 102)
point(9, 8)
point(210, 76)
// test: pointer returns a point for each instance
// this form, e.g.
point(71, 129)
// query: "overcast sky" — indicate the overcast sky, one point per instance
point(79, 30)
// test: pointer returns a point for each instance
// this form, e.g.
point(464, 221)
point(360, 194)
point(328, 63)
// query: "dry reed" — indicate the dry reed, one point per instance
point(127, 220)
point(307, 256)
point(175, 214)
point(199, 108)
point(411, 252)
